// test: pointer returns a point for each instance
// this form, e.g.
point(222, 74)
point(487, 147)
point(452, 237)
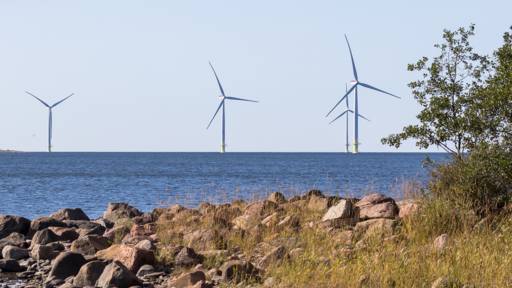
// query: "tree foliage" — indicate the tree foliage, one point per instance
point(449, 83)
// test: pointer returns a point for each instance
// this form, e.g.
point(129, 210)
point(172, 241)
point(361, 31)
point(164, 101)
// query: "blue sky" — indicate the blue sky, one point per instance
point(140, 73)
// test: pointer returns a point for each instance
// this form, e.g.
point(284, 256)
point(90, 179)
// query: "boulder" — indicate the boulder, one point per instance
point(210, 220)
point(166, 213)
point(14, 239)
point(117, 233)
point(82, 226)
point(10, 224)
point(236, 271)
point(274, 257)
point(186, 217)
point(313, 192)
point(116, 211)
point(288, 222)
point(260, 208)
point(187, 280)
point(103, 222)
point(245, 221)
point(204, 239)
point(439, 243)
point(65, 234)
point(204, 208)
point(141, 220)
point(70, 214)
point(41, 223)
point(109, 253)
point(277, 198)
point(133, 257)
point(408, 210)
point(374, 228)
point(133, 240)
point(89, 274)
point(13, 252)
point(10, 265)
point(89, 245)
point(187, 257)
point(342, 210)
point(44, 236)
point(145, 270)
point(320, 203)
point(377, 206)
point(41, 252)
point(146, 244)
point(117, 275)
point(228, 213)
point(67, 264)
point(138, 230)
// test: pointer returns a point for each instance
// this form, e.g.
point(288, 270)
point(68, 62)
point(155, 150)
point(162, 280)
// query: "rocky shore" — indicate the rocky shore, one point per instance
point(236, 244)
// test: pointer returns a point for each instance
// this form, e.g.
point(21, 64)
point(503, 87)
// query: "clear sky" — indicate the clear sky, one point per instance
point(140, 73)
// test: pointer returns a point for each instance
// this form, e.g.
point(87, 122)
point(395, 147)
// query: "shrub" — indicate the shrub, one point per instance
point(481, 180)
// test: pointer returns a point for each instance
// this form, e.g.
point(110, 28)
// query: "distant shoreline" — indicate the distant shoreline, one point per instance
point(11, 151)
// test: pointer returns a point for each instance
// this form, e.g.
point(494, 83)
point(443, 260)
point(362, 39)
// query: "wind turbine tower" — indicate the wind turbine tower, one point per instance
point(356, 107)
point(346, 112)
point(223, 97)
point(49, 117)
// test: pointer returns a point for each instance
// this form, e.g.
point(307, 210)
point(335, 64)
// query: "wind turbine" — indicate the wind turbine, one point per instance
point(356, 108)
point(345, 112)
point(223, 97)
point(49, 118)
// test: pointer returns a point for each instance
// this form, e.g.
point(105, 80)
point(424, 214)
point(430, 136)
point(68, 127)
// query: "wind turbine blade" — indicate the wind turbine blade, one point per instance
point(220, 86)
point(233, 98)
point(216, 113)
point(373, 88)
point(62, 100)
point(38, 99)
point(363, 117)
point(353, 65)
point(346, 100)
point(350, 90)
point(339, 116)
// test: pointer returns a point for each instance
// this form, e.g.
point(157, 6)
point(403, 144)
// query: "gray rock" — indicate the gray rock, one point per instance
point(42, 252)
point(187, 257)
point(67, 264)
point(44, 236)
point(41, 223)
point(146, 244)
point(10, 224)
point(145, 270)
point(15, 239)
point(13, 252)
point(104, 222)
point(10, 265)
point(342, 210)
point(118, 275)
point(89, 274)
point(277, 198)
point(237, 271)
point(70, 214)
point(188, 280)
point(274, 257)
point(377, 206)
point(116, 211)
point(89, 245)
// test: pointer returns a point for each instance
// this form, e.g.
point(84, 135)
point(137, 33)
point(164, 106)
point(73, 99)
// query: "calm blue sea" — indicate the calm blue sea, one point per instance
point(38, 184)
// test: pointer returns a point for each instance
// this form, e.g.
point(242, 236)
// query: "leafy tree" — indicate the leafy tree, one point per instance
point(446, 93)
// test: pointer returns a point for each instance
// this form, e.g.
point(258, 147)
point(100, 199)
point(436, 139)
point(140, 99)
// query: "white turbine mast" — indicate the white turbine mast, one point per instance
point(50, 128)
point(223, 97)
point(345, 112)
point(355, 84)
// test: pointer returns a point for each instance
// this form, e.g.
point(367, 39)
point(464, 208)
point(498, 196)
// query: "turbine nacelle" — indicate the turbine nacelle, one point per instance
point(221, 97)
